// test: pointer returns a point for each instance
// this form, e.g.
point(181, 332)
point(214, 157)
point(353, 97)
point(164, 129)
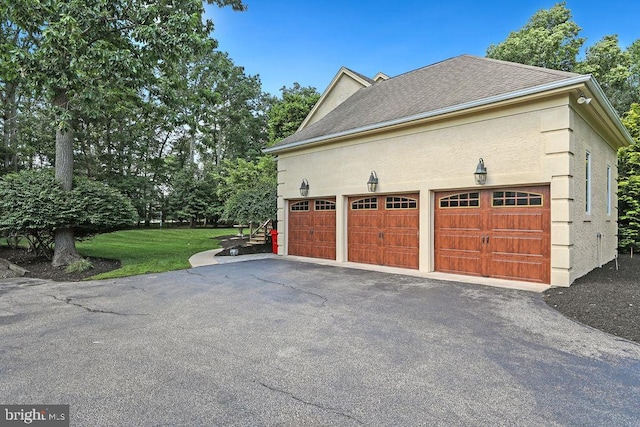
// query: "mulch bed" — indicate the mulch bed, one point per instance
point(41, 267)
point(241, 245)
point(607, 298)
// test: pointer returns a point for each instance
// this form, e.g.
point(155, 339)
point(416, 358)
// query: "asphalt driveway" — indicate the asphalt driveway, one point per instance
point(277, 342)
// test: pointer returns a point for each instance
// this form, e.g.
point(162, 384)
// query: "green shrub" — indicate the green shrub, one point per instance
point(34, 205)
point(79, 266)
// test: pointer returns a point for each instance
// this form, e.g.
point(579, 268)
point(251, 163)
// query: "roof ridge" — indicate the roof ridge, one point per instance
point(456, 82)
point(423, 67)
point(527, 66)
point(362, 76)
point(500, 61)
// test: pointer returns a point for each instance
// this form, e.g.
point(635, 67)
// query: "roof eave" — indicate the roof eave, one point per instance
point(582, 79)
point(599, 94)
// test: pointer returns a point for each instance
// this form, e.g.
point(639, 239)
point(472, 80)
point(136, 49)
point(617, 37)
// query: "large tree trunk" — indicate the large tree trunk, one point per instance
point(65, 243)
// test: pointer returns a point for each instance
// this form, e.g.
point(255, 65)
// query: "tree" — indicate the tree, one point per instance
point(223, 109)
point(550, 39)
point(287, 114)
point(249, 190)
point(83, 51)
point(629, 184)
point(14, 42)
point(33, 204)
point(611, 66)
point(193, 196)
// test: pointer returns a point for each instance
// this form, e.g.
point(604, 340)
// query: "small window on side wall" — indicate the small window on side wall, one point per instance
point(608, 190)
point(588, 183)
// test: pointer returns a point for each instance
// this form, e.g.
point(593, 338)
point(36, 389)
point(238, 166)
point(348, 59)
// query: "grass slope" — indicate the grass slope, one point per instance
point(150, 250)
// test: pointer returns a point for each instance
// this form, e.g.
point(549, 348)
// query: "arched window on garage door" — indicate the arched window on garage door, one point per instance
point(516, 198)
point(461, 200)
point(399, 202)
point(299, 206)
point(325, 205)
point(368, 203)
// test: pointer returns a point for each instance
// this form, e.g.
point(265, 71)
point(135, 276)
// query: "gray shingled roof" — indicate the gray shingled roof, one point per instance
point(362, 76)
point(459, 80)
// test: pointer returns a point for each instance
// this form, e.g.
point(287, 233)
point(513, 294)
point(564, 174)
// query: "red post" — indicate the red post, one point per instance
point(274, 241)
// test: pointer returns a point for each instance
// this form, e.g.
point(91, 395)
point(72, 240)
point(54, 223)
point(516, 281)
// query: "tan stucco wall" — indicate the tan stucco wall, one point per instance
point(336, 94)
point(590, 250)
point(520, 145)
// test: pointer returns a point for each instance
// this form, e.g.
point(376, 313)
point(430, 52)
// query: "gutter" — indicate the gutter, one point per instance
point(588, 79)
point(597, 91)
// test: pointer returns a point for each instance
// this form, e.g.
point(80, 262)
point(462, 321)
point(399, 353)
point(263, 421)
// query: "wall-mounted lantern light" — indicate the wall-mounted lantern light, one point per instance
point(373, 182)
point(304, 188)
point(480, 173)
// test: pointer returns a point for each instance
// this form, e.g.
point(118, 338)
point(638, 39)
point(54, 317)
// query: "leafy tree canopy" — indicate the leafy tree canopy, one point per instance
point(86, 54)
point(612, 68)
point(288, 113)
point(629, 184)
point(550, 39)
point(249, 190)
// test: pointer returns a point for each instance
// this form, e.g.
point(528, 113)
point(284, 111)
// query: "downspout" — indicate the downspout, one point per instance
point(599, 249)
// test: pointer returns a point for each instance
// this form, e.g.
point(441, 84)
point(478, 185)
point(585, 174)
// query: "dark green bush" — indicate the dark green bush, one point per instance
point(34, 205)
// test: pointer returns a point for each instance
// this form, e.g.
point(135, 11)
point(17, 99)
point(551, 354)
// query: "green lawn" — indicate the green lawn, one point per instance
point(151, 250)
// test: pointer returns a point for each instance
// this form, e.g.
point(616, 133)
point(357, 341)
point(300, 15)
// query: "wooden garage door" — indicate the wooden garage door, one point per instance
point(384, 230)
point(312, 228)
point(502, 233)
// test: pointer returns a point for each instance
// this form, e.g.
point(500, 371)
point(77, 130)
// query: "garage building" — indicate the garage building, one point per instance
point(468, 166)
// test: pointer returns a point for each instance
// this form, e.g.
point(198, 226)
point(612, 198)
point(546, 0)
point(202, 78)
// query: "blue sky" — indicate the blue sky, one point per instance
point(307, 41)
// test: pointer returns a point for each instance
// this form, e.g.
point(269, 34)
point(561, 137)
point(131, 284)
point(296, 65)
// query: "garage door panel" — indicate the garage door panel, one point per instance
point(402, 238)
point(300, 235)
point(300, 248)
point(384, 230)
point(367, 221)
point(502, 233)
point(312, 229)
point(512, 221)
point(459, 262)
point(399, 258)
point(533, 269)
point(325, 252)
point(397, 221)
point(368, 255)
point(459, 242)
point(324, 220)
point(459, 220)
point(519, 245)
point(300, 220)
point(324, 236)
